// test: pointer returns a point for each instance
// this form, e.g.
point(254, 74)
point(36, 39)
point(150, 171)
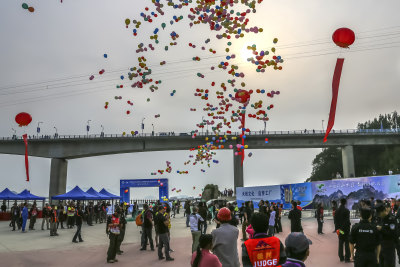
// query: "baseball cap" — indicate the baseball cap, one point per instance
point(224, 215)
point(298, 242)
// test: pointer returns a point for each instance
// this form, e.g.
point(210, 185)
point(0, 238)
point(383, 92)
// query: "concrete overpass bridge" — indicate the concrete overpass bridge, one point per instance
point(61, 148)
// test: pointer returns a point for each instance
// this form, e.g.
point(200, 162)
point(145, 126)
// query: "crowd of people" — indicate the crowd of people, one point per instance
point(372, 241)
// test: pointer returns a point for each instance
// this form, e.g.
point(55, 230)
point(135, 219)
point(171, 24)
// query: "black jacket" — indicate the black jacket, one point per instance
point(295, 219)
point(342, 218)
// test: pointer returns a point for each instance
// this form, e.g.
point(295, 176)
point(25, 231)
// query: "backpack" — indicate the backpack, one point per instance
point(139, 221)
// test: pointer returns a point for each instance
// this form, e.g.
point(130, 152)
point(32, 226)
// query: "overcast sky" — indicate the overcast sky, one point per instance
point(64, 40)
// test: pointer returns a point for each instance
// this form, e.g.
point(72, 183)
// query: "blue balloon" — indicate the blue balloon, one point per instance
point(122, 77)
point(105, 56)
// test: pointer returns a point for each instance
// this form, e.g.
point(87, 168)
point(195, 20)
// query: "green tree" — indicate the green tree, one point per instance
point(326, 164)
point(368, 159)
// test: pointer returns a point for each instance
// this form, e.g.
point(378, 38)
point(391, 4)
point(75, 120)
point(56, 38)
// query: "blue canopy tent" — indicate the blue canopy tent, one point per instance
point(26, 195)
point(99, 196)
point(75, 194)
point(6, 194)
point(112, 196)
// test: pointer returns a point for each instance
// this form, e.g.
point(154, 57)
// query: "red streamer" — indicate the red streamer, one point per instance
point(25, 136)
point(335, 92)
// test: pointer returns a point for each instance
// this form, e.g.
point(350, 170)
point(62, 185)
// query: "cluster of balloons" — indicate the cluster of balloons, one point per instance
point(29, 8)
point(173, 92)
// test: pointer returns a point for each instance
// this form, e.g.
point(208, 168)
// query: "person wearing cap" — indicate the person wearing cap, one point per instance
point(295, 218)
point(162, 225)
point(297, 249)
point(365, 238)
point(262, 249)
point(78, 221)
point(113, 231)
point(342, 225)
point(225, 240)
point(121, 236)
point(147, 228)
point(45, 216)
point(387, 226)
point(53, 220)
point(194, 223)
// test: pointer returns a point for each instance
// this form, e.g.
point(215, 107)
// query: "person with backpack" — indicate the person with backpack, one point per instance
point(147, 228)
point(195, 220)
point(203, 257)
point(270, 247)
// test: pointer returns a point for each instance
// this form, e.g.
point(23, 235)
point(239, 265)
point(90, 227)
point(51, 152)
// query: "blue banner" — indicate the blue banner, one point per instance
point(299, 192)
point(257, 193)
point(310, 194)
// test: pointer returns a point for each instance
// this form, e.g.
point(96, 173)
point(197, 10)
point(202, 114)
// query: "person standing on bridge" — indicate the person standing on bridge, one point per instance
point(24, 216)
point(45, 216)
point(78, 221)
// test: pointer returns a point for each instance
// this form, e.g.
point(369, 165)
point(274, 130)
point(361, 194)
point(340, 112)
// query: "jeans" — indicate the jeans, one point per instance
point(164, 242)
point(32, 222)
point(120, 239)
point(187, 219)
point(53, 228)
point(147, 234)
point(78, 233)
point(112, 248)
point(320, 224)
point(344, 240)
point(45, 219)
point(24, 219)
point(195, 239)
point(203, 227)
point(271, 229)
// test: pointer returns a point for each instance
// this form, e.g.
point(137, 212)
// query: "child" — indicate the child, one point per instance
point(250, 231)
point(203, 257)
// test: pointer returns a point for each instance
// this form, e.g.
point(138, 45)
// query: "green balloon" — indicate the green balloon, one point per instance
point(25, 6)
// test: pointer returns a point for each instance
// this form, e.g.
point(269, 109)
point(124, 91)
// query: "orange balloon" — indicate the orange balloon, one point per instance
point(31, 9)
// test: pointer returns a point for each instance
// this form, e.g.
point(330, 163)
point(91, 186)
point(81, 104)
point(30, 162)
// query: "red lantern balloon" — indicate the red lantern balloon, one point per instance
point(126, 191)
point(23, 119)
point(242, 96)
point(343, 37)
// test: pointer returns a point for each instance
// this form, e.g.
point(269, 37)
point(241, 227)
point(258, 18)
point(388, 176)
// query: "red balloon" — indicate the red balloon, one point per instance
point(242, 96)
point(343, 37)
point(23, 119)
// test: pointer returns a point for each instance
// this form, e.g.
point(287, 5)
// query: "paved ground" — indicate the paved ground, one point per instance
point(37, 248)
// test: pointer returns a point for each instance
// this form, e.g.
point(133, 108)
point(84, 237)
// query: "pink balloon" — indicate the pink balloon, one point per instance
point(230, 146)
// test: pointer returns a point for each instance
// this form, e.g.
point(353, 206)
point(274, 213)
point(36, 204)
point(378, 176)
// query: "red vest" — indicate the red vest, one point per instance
point(263, 251)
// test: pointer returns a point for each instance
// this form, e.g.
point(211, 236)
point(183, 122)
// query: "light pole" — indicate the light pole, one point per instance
point(14, 134)
point(265, 127)
point(322, 125)
point(102, 131)
point(143, 125)
point(88, 127)
point(56, 134)
point(153, 129)
point(202, 122)
point(38, 128)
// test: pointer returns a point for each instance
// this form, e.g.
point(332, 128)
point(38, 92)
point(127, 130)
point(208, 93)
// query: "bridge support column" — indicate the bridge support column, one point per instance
point(237, 171)
point(348, 162)
point(58, 177)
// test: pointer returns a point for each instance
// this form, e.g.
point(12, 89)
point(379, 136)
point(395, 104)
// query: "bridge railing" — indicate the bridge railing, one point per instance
point(206, 133)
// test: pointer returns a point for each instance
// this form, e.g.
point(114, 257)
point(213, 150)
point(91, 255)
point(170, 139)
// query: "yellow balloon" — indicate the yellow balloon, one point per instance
point(123, 133)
